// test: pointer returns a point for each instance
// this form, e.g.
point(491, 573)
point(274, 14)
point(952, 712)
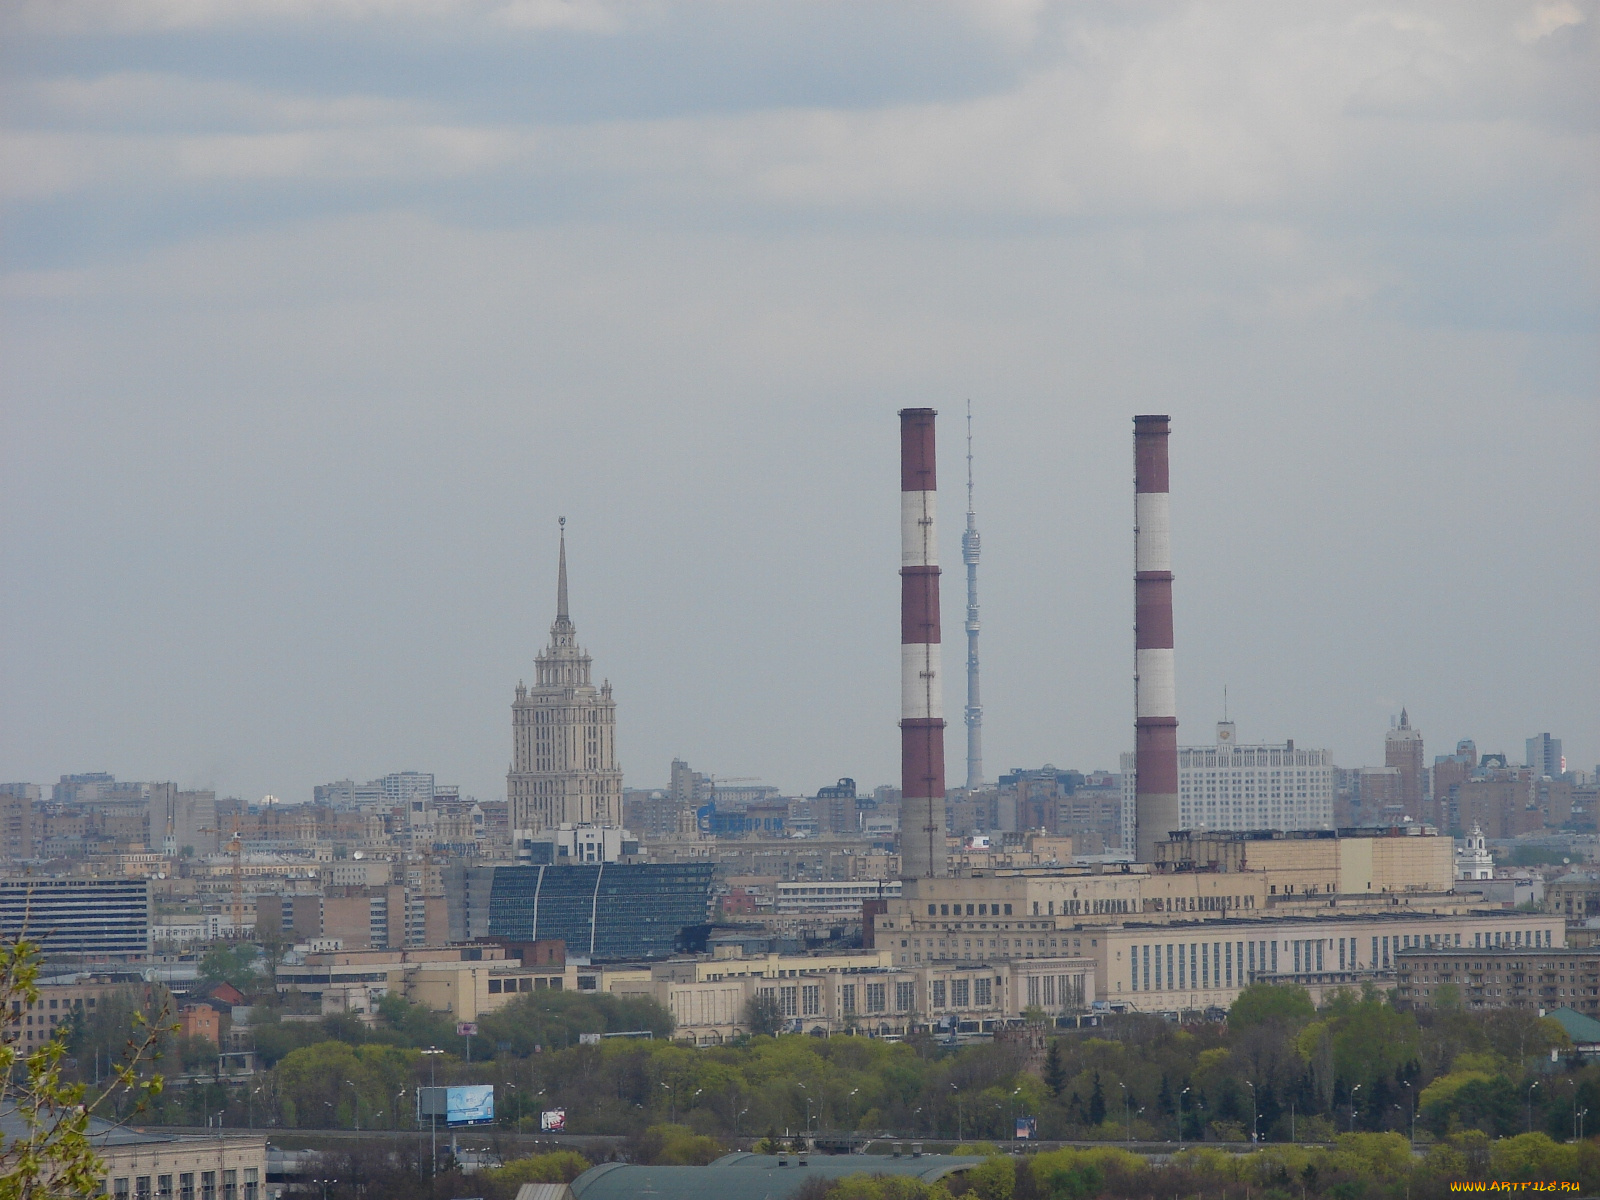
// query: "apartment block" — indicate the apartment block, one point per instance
point(1507, 977)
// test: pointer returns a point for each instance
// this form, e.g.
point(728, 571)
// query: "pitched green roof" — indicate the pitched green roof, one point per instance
point(1580, 1029)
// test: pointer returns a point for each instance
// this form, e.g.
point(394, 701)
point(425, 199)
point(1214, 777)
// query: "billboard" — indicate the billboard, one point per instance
point(1027, 1128)
point(553, 1121)
point(466, 1029)
point(471, 1105)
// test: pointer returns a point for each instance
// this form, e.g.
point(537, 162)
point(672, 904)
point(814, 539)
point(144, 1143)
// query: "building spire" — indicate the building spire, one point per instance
point(969, 555)
point(561, 577)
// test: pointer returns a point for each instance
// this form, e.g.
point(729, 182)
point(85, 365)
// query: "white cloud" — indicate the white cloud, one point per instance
point(135, 16)
point(169, 102)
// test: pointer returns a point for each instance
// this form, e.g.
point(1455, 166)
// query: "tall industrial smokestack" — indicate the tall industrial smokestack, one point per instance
point(922, 853)
point(1155, 693)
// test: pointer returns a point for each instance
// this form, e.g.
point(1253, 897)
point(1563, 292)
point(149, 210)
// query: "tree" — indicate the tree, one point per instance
point(1262, 1002)
point(51, 1156)
point(1055, 1075)
point(224, 963)
point(762, 1014)
point(1097, 1103)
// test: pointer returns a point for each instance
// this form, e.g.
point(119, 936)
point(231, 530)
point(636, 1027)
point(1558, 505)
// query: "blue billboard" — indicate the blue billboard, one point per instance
point(473, 1105)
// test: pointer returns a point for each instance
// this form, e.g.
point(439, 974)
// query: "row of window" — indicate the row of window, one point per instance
point(160, 1187)
point(524, 983)
point(984, 910)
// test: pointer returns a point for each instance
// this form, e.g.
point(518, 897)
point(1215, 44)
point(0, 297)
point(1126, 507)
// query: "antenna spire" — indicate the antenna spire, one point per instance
point(561, 575)
point(969, 455)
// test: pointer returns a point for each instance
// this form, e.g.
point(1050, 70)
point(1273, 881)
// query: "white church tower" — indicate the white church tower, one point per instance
point(1475, 861)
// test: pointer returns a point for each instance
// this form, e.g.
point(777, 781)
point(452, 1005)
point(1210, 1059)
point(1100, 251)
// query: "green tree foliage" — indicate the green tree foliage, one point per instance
point(334, 1084)
point(1262, 1002)
point(553, 1020)
point(762, 1015)
point(680, 1146)
point(558, 1166)
point(1357, 1040)
point(231, 962)
point(1055, 1076)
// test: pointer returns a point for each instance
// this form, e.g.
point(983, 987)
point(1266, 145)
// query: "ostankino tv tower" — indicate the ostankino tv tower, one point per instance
point(969, 555)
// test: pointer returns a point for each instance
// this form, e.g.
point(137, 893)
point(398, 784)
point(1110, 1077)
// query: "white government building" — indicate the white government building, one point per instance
point(1228, 786)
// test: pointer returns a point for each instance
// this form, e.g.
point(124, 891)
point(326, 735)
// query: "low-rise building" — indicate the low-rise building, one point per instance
point(863, 992)
point(836, 897)
point(463, 981)
point(200, 1021)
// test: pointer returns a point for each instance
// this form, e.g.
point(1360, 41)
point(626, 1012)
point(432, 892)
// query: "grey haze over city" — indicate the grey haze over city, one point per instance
point(318, 315)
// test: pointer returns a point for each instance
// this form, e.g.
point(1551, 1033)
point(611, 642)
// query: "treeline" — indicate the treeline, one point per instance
point(1278, 1070)
point(1370, 1166)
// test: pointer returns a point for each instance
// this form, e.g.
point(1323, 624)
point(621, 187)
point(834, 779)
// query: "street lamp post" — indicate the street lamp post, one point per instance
point(433, 1118)
point(957, 1091)
point(1127, 1108)
point(1353, 1092)
point(355, 1111)
point(1255, 1112)
point(1531, 1086)
point(1181, 1095)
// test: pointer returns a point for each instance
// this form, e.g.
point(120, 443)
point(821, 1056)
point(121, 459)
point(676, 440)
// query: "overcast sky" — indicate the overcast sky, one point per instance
point(318, 313)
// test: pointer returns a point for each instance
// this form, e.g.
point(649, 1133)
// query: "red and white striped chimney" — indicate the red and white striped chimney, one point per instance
point(922, 849)
point(1155, 692)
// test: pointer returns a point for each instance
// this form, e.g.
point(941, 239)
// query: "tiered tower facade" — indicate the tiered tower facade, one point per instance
point(563, 735)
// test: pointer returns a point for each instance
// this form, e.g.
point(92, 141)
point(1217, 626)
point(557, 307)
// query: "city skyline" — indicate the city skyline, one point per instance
point(299, 364)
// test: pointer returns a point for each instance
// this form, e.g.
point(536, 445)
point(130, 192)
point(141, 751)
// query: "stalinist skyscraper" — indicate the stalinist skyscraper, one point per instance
point(563, 735)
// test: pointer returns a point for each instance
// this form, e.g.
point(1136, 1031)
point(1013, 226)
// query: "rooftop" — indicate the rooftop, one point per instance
point(743, 1176)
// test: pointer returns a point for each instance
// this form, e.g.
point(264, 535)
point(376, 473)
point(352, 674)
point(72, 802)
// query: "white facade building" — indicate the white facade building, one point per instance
point(833, 897)
point(1228, 786)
